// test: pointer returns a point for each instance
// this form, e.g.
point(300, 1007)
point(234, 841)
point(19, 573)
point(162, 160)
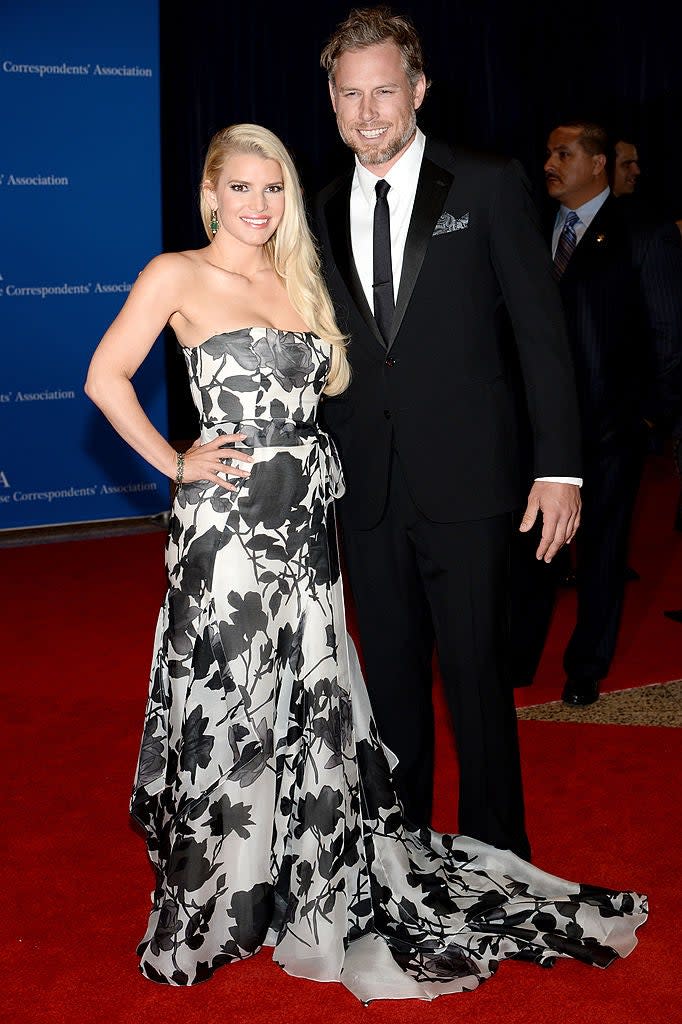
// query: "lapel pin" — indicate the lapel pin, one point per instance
point(600, 238)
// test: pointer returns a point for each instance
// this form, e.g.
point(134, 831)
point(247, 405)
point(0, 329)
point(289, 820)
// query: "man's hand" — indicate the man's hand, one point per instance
point(560, 507)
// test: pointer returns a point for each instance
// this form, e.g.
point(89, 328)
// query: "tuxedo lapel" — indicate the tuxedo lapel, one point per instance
point(432, 190)
point(338, 229)
point(596, 236)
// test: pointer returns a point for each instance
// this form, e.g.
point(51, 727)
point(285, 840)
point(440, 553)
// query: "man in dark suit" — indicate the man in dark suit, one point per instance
point(424, 247)
point(625, 170)
point(620, 288)
point(644, 216)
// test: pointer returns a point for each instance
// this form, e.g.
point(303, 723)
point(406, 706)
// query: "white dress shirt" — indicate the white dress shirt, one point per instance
point(586, 214)
point(403, 178)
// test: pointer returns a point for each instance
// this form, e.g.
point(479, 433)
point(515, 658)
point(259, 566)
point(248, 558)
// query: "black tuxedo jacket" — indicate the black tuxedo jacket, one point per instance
point(622, 297)
point(440, 390)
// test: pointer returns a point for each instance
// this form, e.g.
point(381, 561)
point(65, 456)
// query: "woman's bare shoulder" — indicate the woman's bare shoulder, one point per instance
point(167, 270)
point(173, 267)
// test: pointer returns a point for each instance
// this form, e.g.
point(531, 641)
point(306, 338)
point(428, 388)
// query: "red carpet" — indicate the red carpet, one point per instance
point(603, 806)
point(649, 646)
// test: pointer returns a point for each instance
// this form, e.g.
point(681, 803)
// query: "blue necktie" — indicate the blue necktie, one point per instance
point(566, 244)
point(384, 305)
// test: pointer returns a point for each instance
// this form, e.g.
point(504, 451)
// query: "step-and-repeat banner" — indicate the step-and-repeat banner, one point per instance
point(80, 213)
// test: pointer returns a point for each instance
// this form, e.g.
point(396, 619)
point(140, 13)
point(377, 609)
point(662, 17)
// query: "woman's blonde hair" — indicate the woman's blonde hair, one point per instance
point(291, 250)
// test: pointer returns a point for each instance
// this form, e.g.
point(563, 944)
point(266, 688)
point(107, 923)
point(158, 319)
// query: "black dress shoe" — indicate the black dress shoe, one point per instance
point(675, 614)
point(578, 692)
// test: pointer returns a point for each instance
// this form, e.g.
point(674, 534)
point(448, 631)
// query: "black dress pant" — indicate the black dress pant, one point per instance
point(533, 590)
point(609, 491)
point(611, 479)
point(414, 582)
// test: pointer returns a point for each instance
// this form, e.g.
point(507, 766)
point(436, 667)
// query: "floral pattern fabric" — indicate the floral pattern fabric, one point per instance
point(264, 791)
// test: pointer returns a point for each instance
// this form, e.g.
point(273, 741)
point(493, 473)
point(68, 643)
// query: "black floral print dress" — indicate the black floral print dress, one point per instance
point(262, 786)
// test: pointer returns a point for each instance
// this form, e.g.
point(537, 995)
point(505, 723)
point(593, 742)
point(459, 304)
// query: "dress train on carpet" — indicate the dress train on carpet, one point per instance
point(263, 788)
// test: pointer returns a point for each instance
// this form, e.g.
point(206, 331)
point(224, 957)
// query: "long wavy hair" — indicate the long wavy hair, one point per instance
point(291, 250)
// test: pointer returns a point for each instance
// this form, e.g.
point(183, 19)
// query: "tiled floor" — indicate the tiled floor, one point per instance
point(660, 704)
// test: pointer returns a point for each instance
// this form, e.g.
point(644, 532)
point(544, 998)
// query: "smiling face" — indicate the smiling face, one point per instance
point(625, 169)
point(249, 197)
point(375, 104)
point(572, 175)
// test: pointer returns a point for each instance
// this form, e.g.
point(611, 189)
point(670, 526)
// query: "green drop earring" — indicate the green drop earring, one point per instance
point(214, 222)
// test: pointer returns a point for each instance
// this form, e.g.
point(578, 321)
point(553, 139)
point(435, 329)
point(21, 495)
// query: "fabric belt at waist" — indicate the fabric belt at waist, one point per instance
point(265, 433)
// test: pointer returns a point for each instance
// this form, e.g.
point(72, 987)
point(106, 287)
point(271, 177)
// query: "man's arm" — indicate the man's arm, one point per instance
point(523, 266)
point(660, 280)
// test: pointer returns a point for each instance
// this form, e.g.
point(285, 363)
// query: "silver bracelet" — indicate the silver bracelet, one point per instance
point(180, 467)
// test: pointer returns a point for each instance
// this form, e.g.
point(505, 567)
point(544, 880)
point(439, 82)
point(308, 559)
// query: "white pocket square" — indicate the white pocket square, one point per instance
point(447, 223)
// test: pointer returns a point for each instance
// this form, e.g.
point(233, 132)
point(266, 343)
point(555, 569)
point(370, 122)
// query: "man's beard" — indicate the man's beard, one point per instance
point(374, 153)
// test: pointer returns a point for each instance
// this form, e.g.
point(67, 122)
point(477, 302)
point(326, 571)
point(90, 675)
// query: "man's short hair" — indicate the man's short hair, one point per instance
point(367, 26)
point(593, 138)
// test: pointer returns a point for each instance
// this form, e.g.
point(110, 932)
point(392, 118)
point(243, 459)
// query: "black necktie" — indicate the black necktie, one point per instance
point(383, 270)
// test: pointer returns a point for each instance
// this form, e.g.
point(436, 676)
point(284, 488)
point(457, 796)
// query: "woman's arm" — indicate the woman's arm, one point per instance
point(154, 297)
point(157, 294)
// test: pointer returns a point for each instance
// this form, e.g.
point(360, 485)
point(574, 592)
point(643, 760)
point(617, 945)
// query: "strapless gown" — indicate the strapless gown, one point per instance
point(263, 789)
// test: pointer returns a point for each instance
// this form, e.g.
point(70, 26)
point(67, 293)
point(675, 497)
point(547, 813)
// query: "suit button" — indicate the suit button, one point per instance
point(387, 414)
point(390, 363)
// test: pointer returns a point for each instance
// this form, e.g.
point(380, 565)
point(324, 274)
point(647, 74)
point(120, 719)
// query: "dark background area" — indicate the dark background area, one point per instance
point(503, 74)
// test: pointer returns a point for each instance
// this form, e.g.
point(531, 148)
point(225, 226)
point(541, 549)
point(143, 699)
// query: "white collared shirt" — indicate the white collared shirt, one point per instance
point(402, 178)
point(586, 214)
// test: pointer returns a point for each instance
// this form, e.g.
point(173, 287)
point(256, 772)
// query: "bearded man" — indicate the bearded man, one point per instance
point(424, 246)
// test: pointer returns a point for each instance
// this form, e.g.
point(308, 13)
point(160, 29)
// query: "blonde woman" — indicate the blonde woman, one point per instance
point(262, 786)
point(247, 706)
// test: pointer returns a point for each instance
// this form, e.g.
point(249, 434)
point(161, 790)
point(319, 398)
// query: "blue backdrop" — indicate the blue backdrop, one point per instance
point(80, 207)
